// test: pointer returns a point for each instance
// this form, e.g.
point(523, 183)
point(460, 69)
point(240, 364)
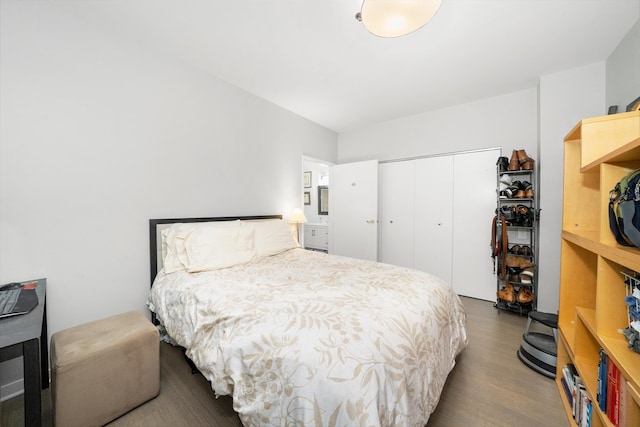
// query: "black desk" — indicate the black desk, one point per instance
point(26, 335)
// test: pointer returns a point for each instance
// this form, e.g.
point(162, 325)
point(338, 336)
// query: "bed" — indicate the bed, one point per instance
point(300, 337)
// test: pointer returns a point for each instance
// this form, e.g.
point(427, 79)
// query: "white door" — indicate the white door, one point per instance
point(474, 204)
point(434, 216)
point(353, 210)
point(396, 213)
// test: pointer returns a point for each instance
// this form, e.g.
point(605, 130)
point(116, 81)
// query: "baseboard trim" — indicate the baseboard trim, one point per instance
point(11, 390)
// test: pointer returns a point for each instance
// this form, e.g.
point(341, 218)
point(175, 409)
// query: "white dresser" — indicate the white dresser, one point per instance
point(316, 237)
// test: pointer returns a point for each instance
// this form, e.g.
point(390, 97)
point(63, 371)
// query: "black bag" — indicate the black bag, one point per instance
point(624, 210)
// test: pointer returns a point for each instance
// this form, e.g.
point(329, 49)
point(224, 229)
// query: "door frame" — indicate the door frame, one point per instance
point(310, 159)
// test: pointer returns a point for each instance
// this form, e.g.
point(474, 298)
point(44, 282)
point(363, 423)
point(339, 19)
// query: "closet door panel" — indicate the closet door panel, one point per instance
point(434, 216)
point(396, 213)
point(473, 208)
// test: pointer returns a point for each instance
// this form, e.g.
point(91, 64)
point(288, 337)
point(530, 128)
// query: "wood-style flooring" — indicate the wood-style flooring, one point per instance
point(488, 387)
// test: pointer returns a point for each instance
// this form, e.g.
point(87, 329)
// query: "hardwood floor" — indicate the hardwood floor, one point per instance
point(488, 387)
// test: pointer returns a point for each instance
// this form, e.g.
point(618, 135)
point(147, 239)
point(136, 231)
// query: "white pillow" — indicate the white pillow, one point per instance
point(170, 260)
point(212, 248)
point(273, 237)
point(173, 247)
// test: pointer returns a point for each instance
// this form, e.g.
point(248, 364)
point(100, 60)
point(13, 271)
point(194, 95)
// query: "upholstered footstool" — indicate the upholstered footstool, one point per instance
point(103, 369)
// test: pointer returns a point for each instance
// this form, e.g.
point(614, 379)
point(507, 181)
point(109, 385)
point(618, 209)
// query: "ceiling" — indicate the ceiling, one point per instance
point(313, 58)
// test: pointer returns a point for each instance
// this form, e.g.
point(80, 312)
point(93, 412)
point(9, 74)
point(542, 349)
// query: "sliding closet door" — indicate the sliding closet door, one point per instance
point(433, 223)
point(396, 213)
point(474, 205)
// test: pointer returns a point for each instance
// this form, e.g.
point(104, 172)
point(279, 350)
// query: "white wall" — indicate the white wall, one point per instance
point(98, 135)
point(623, 70)
point(507, 121)
point(565, 99)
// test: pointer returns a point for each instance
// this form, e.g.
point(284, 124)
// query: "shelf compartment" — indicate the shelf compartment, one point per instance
point(577, 281)
point(568, 334)
point(610, 175)
point(623, 255)
point(620, 131)
point(581, 205)
point(587, 351)
point(610, 300)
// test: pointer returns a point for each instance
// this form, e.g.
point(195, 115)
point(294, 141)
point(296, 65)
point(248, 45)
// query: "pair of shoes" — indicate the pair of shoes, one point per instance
point(524, 295)
point(518, 261)
point(520, 160)
point(517, 215)
point(520, 250)
point(508, 293)
point(526, 162)
point(518, 190)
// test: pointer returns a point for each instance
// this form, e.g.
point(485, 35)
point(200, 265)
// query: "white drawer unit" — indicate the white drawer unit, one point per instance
point(316, 236)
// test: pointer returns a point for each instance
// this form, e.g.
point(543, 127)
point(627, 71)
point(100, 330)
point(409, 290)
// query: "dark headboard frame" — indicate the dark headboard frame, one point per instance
point(153, 235)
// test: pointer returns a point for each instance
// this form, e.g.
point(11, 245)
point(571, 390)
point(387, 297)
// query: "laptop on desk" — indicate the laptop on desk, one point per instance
point(17, 298)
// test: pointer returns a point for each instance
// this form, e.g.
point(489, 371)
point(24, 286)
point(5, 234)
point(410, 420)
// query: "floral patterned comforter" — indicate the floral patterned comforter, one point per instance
point(309, 339)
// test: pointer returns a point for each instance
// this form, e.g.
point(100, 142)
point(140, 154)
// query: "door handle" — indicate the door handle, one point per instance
point(371, 221)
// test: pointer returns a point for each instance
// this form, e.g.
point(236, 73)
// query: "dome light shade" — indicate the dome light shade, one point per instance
point(394, 18)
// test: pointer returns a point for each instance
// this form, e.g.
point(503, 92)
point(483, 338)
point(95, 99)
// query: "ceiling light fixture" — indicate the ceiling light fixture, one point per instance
point(395, 18)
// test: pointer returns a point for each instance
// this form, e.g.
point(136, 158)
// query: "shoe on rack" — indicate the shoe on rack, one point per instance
point(526, 276)
point(502, 163)
point(527, 190)
point(525, 295)
point(525, 215)
point(525, 162)
point(519, 192)
point(508, 293)
point(514, 162)
point(513, 274)
point(505, 179)
point(515, 249)
point(525, 251)
point(518, 261)
point(528, 194)
point(507, 213)
point(511, 191)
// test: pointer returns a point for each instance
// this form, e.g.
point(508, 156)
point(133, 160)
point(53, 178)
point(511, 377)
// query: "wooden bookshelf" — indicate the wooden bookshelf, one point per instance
point(598, 152)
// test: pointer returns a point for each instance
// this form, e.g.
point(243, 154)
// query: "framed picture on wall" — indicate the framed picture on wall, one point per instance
point(307, 197)
point(307, 179)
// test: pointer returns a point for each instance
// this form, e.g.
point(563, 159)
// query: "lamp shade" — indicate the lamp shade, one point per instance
point(297, 216)
point(394, 18)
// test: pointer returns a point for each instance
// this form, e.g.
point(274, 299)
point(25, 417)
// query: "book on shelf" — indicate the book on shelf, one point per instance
point(567, 391)
point(601, 396)
point(587, 408)
point(578, 392)
point(568, 382)
point(613, 396)
point(622, 418)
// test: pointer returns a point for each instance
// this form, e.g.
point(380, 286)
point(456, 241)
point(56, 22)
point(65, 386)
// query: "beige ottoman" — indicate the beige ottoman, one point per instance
point(103, 369)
